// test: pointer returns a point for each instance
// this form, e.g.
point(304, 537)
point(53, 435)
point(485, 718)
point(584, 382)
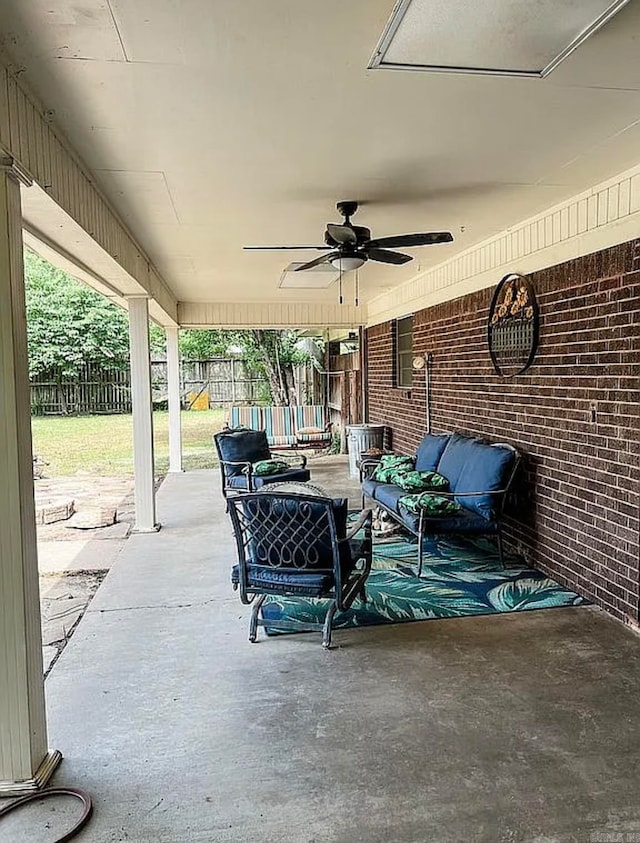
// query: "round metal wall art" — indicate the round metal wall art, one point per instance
point(513, 326)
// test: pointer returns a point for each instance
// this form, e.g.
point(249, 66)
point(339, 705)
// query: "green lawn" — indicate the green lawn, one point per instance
point(103, 445)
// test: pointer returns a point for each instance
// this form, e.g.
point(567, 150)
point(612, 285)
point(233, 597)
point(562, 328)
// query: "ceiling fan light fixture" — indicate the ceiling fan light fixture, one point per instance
point(347, 263)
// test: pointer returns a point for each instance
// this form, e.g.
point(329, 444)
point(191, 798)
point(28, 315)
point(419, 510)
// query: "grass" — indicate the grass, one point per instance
point(103, 445)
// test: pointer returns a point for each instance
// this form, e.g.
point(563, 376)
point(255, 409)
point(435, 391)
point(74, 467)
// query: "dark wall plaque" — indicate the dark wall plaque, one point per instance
point(513, 326)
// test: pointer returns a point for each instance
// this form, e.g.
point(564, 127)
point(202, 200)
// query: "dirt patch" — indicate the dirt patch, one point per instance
point(73, 562)
point(63, 602)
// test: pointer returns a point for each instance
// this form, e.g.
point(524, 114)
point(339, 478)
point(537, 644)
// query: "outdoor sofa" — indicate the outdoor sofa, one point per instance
point(472, 478)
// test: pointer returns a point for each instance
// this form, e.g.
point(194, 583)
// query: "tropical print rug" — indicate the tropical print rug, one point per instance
point(459, 578)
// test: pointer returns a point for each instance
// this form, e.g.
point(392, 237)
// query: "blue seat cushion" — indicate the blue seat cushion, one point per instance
point(465, 522)
point(430, 450)
point(239, 481)
point(456, 453)
point(242, 446)
point(281, 580)
point(369, 487)
point(487, 468)
point(388, 495)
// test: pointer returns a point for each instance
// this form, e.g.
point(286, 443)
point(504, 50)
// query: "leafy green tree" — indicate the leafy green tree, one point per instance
point(69, 324)
point(269, 353)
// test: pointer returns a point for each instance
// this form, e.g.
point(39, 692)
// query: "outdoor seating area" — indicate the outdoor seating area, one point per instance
point(391, 708)
point(454, 485)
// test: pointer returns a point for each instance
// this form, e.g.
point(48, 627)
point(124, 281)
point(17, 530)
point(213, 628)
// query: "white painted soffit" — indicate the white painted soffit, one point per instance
point(57, 237)
point(603, 216)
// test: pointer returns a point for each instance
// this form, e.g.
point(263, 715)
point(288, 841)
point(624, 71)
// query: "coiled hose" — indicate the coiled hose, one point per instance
point(87, 806)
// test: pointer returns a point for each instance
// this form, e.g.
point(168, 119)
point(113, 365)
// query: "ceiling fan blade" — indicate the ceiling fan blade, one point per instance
point(384, 256)
point(317, 261)
point(407, 240)
point(342, 234)
point(318, 248)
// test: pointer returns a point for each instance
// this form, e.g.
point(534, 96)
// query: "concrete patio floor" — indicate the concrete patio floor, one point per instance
point(520, 727)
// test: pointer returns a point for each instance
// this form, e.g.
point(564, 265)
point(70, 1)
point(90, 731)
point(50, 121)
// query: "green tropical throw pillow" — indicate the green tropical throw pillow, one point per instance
point(422, 481)
point(392, 465)
point(433, 506)
point(264, 467)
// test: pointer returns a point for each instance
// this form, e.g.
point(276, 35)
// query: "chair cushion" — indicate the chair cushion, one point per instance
point(277, 579)
point(313, 437)
point(264, 467)
point(242, 446)
point(487, 468)
point(280, 441)
point(457, 451)
point(421, 481)
point(430, 450)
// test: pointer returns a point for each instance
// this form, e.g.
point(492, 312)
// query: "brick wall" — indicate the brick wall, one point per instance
point(575, 415)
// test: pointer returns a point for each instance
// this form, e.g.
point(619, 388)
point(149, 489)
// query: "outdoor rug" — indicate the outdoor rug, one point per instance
point(459, 578)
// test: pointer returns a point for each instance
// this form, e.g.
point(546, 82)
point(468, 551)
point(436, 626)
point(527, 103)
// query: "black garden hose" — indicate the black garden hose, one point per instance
point(87, 806)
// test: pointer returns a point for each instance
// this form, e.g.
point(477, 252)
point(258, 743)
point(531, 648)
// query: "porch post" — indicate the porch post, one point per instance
point(25, 763)
point(145, 498)
point(173, 382)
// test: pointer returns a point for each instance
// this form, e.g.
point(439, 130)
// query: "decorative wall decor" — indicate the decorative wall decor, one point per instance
point(513, 326)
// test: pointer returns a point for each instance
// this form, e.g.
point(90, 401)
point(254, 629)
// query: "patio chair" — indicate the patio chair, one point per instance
point(239, 452)
point(298, 546)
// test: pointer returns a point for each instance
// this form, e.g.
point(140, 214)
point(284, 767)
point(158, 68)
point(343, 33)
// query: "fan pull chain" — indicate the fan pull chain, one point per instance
point(340, 283)
point(356, 288)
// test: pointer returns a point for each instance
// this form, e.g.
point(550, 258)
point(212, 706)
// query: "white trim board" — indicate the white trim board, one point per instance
point(603, 216)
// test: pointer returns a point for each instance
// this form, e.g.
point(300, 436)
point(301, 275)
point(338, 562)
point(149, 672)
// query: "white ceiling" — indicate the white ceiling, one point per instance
point(211, 124)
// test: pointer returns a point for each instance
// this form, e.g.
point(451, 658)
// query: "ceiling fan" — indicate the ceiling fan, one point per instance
point(348, 246)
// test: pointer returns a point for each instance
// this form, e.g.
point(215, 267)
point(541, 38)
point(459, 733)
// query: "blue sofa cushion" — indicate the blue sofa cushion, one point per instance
point(299, 475)
point(242, 446)
point(369, 487)
point(456, 453)
point(388, 495)
point(487, 468)
point(430, 450)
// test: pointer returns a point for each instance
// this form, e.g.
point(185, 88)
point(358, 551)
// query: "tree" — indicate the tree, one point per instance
point(69, 324)
point(270, 353)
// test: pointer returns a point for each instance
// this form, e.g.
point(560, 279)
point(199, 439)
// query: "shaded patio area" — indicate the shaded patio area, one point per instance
point(512, 727)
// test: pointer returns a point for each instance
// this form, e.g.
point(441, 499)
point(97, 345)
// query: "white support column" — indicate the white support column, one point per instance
point(25, 763)
point(173, 381)
point(145, 498)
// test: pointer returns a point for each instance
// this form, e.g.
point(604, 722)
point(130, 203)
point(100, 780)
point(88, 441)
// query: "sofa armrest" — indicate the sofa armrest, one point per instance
point(367, 467)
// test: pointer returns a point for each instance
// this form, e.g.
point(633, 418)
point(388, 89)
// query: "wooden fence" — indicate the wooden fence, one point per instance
point(218, 382)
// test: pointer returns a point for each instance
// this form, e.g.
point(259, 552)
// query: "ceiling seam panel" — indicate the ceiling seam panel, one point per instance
point(22, 134)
